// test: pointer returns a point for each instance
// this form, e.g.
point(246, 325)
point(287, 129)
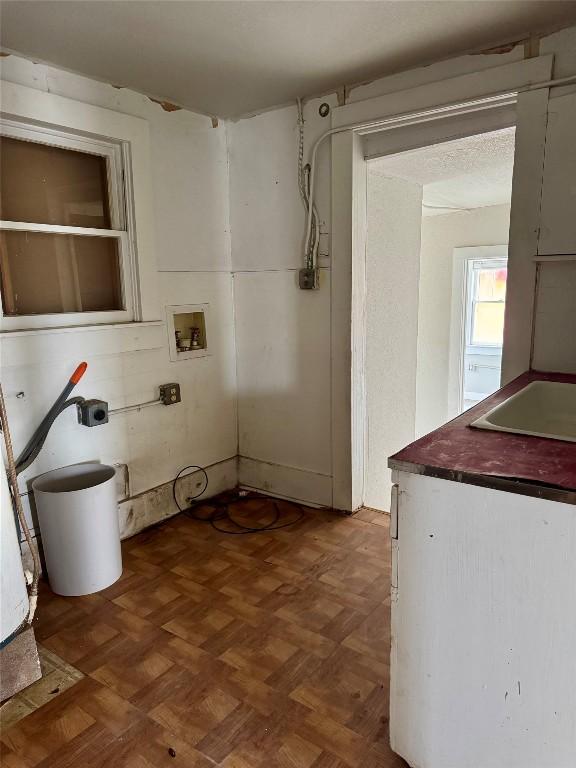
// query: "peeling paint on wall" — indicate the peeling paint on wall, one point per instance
point(167, 106)
point(498, 49)
point(214, 122)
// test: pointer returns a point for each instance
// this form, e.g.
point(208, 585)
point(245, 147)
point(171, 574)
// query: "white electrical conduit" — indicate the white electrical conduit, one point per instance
point(304, 187)
point(137, 407)
point(384, 124)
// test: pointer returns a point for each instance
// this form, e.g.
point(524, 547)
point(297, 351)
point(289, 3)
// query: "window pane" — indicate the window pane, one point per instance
point(51, 185)
point(45, 273)
point(488, 323)
point(491, 284)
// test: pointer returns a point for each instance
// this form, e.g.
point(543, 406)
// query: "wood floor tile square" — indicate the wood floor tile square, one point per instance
point(128, 674)
point(198, 624)
point(214, 651)
point(259, 656)
point(337, 694)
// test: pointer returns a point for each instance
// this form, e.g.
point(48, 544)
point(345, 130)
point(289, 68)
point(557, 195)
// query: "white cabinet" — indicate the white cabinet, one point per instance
point(483, 666)
point(558, 204)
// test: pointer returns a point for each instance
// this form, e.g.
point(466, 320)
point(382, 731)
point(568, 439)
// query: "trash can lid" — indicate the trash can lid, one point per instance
point(76, 477)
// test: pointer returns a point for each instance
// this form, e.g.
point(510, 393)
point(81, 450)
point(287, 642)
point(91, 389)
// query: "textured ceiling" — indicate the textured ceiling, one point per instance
point(473, 172)
point(232, 58)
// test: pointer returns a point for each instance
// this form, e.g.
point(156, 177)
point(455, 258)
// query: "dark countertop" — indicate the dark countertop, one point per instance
point(533, 466)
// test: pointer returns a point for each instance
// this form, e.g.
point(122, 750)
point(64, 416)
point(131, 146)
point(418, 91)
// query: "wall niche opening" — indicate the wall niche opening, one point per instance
point(188, 331)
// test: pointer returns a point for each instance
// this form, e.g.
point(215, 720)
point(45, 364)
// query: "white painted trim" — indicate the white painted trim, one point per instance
point(447, 93)
point(347, 163)
point(458, 319)
point(530, 142)
point(499, 114)
point(76, 328)
point(287, 482)
point(348, 322)
point(554, 257)
point(58, 229)
point(25, 348)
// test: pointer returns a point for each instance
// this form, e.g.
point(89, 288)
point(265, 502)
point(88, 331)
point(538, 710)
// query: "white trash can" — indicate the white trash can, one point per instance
point(78, 516)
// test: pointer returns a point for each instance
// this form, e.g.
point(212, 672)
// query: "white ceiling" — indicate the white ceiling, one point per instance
point(473, 172)
point(232, 58)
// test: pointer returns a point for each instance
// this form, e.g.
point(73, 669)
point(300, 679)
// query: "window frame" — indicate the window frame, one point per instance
point(118, 164)
point(491, 262)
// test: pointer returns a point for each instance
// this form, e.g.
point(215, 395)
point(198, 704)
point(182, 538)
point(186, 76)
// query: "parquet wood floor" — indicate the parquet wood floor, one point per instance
point(261, 651)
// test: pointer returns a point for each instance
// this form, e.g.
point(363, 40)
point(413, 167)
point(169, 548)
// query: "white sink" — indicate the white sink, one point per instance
point(542, 408)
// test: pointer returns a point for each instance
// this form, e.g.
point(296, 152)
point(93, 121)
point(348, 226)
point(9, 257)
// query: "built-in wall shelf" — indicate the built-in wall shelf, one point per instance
point(188, 331)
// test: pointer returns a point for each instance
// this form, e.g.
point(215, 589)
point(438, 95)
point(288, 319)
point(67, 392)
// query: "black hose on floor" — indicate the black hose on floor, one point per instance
point(221, 513)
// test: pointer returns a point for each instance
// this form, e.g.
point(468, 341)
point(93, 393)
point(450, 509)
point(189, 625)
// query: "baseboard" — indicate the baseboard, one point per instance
point(157, 504)
point(285, 482)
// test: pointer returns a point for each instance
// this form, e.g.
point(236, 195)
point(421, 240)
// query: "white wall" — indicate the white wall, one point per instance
point(125, 366)
point(283, 359)
point(555, 318)
point(267, 233)
point(282, 333)
point(440, 235)
point(392, 268)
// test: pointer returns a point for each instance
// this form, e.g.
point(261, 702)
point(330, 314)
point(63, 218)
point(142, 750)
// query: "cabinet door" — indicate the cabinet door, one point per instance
point(558, 210)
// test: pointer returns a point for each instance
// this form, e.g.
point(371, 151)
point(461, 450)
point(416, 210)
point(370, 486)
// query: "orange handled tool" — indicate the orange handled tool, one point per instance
point(78, 373)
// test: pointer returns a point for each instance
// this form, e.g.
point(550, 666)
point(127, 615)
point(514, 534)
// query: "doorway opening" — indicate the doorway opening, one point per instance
point(436, 267)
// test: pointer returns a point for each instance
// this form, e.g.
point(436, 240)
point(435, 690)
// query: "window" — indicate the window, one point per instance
point(487, 296)
point(65, 247)
point(476, 324)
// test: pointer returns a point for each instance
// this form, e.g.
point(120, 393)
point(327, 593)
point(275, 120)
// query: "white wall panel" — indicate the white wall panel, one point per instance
point(555, 318)
point(283, 343)
point(392, 270)
point(267, 215)
point(558, 223)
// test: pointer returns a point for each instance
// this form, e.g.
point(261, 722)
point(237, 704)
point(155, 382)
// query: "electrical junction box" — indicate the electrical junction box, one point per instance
point(170, 394)
point(92, 413)
point(309, 279)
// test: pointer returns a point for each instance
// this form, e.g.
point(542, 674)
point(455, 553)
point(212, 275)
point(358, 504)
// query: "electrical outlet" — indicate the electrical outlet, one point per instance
point(308, 279)
point(170, 394)
point(92, 413)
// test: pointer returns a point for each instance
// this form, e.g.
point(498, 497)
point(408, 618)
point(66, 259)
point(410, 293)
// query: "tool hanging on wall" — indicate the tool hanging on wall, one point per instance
point(34, 445)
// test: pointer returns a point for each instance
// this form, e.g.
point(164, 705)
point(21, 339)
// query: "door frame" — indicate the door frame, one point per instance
point(348, 295)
